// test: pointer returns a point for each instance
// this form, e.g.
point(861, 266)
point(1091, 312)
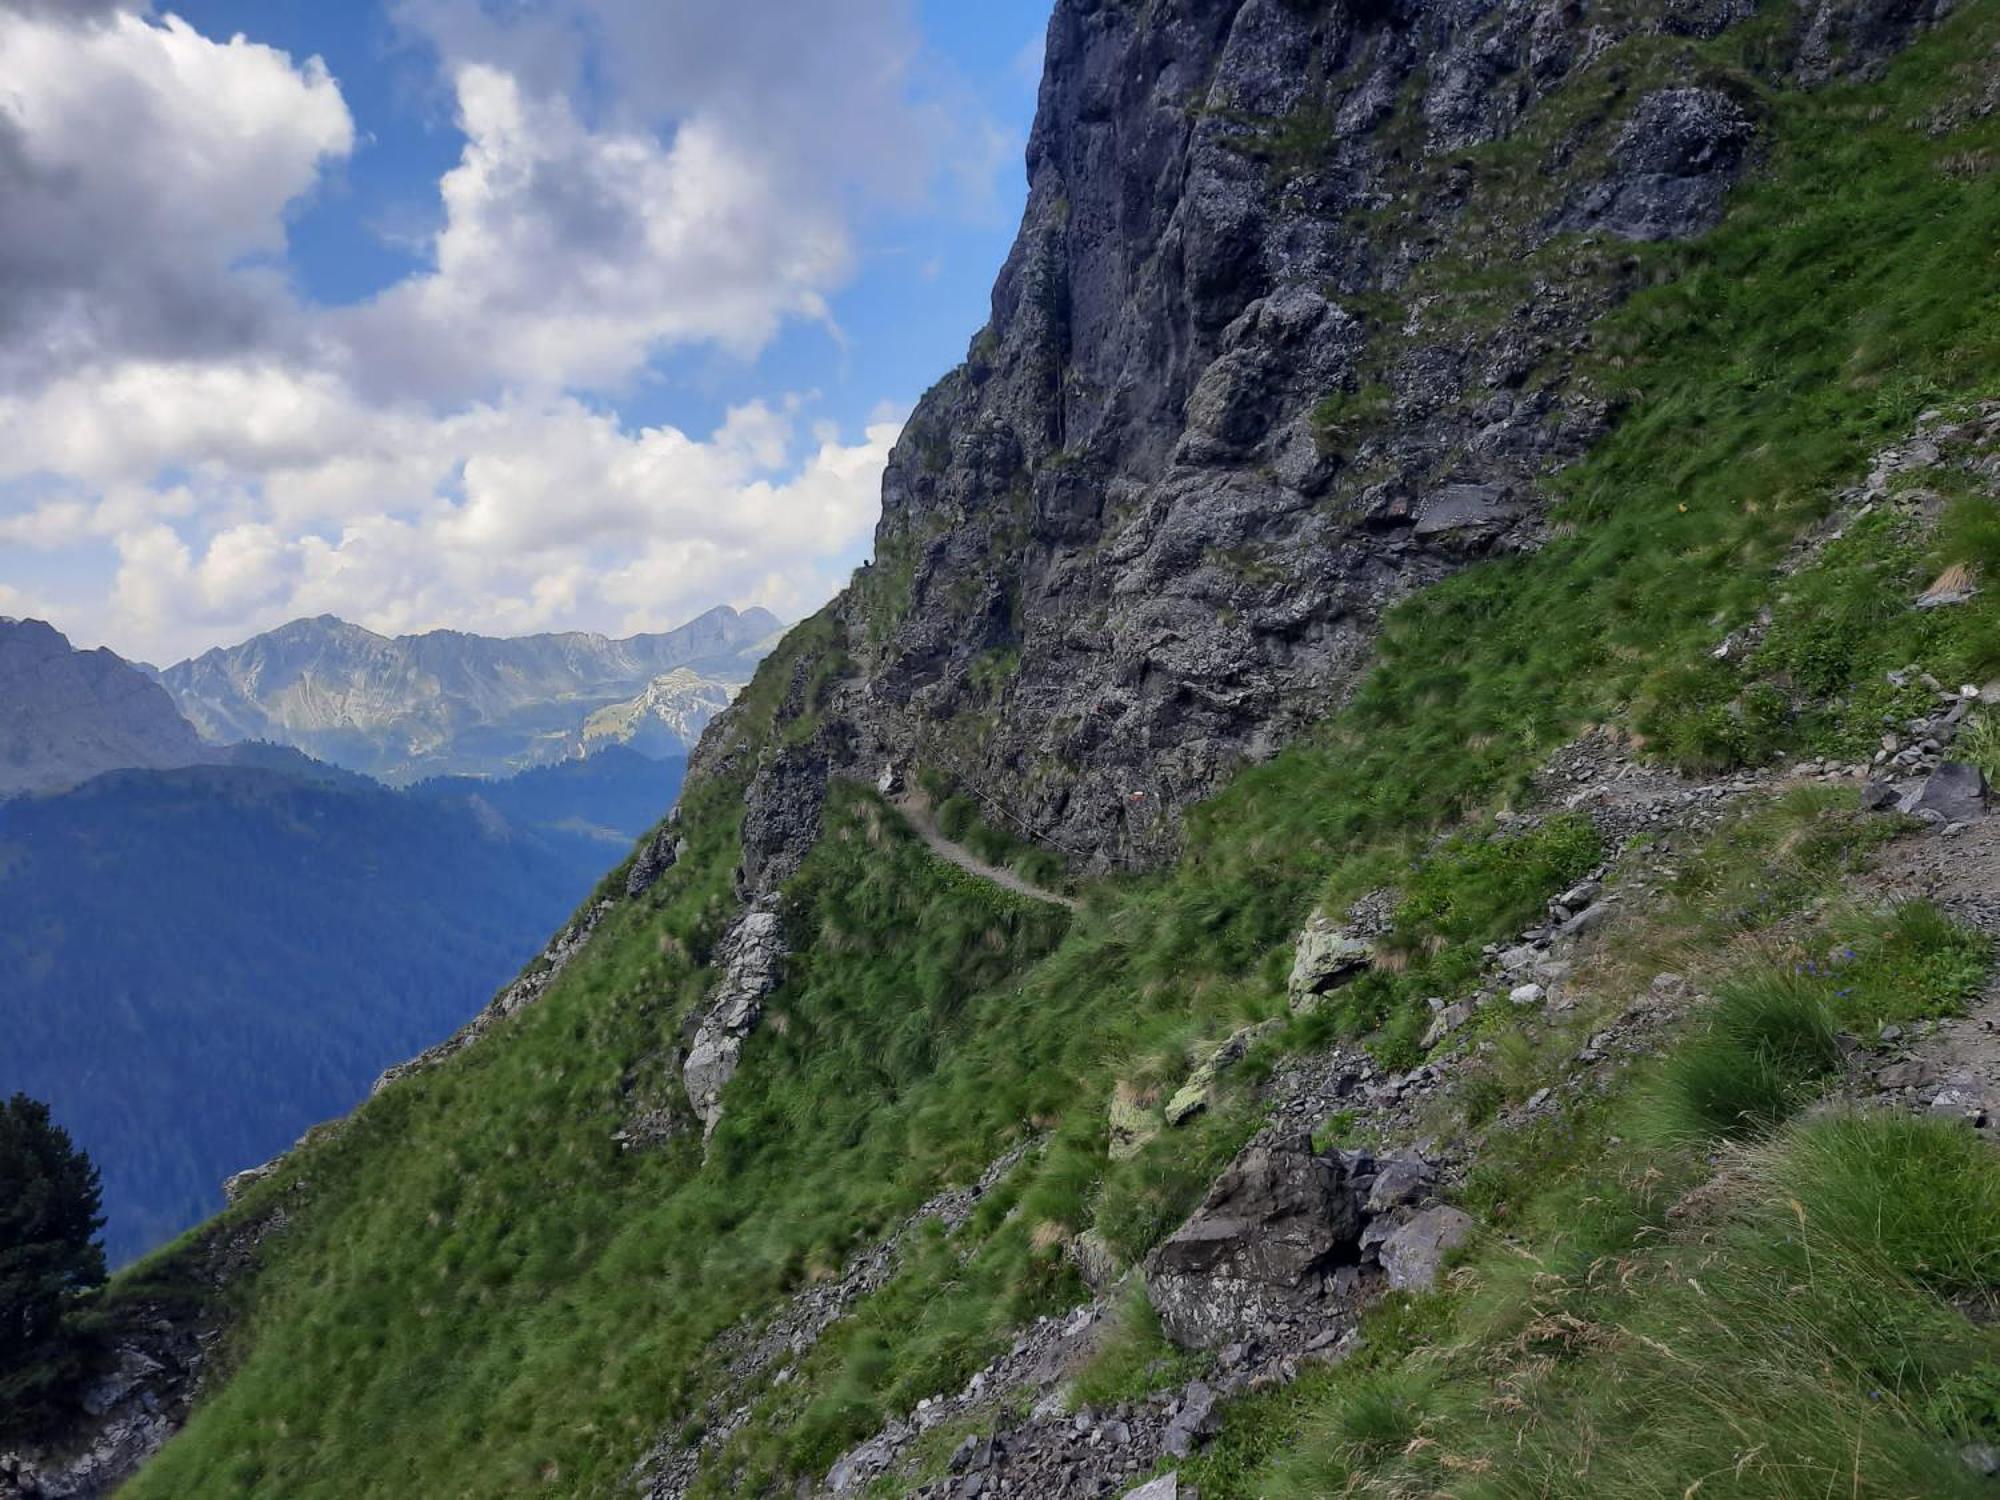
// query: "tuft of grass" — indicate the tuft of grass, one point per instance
point(1979, 743)
point(1132, 1359)
point(1769, 1042)
point(1921, 1195)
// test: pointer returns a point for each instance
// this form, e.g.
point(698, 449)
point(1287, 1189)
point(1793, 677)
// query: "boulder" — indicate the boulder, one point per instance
point(1956, 792)
point(1194, 1423)
point(1578, 896)
point(1414, 1251)
point(1587, 920)
point(1277, 1222)
point(1166, 1487)
point(1326, 957)
point(1399, 1182)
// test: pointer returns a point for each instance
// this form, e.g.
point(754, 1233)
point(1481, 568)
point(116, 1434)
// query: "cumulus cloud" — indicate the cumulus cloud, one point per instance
point(512, 517)
point(142, 164)
point(634, 178)
point(568, 256)
point(71, 10)
point(826, 97)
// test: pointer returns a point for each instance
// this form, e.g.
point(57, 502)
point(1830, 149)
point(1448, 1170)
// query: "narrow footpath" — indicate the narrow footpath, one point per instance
point(917, 811)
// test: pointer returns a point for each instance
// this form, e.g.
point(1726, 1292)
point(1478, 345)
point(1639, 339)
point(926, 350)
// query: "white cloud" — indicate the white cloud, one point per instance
point(567, 256)
point(500, 518)
point(141, 163)
point(635, 177)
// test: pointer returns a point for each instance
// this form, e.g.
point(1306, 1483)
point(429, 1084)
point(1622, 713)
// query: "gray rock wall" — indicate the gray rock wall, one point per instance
point(1130, 544)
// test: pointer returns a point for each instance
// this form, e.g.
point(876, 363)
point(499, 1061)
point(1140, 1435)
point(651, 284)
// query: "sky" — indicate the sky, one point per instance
point(497, 315)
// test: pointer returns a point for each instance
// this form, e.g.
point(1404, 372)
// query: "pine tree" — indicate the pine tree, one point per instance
point(50, 1261)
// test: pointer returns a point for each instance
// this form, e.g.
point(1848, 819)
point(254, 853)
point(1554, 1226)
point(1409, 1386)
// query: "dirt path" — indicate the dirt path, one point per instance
point(916, 808)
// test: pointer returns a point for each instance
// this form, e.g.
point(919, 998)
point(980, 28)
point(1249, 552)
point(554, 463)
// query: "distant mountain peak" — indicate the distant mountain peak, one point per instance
point(67, 715)
point(448, 702)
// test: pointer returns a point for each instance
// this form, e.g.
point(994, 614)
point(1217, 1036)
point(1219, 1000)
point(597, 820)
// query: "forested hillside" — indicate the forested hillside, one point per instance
point(201, 964)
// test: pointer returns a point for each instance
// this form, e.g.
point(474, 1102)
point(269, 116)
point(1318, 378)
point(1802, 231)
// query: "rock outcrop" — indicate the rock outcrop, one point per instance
point(1291, 1243)
point(1326, 956)
point(1145, 533)
point(752, 959)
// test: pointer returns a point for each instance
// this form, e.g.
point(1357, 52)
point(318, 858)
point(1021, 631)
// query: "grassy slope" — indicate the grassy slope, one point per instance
point(484, 1297)
point(1815, 1319)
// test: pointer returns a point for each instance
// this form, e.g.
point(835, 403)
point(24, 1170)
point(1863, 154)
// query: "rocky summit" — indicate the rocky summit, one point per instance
point(1384, 886)
point(1241, 392)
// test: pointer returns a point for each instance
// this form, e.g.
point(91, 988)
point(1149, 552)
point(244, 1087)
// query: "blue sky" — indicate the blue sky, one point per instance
point(495, 314)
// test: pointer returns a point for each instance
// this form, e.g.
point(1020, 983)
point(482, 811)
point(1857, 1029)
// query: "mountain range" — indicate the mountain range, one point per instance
point(206, 947)
point(446, 703)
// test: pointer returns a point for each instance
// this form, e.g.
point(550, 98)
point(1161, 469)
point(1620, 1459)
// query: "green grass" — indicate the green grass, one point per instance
point(1817, 1316)
point(1768, 1046)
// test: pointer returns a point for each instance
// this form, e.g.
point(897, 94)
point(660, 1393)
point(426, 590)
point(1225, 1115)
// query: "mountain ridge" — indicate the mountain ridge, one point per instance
point(445, 702)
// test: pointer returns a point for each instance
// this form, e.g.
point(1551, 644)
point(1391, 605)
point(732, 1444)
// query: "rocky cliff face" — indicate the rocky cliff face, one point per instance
point(1265, 357)
point(447, 703)
point(68, 715)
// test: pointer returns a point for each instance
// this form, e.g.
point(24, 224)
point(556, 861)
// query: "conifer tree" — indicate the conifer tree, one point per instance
point(50, 1261)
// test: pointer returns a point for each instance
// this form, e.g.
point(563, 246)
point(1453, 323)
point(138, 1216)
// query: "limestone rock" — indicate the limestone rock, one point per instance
point(753, 957)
